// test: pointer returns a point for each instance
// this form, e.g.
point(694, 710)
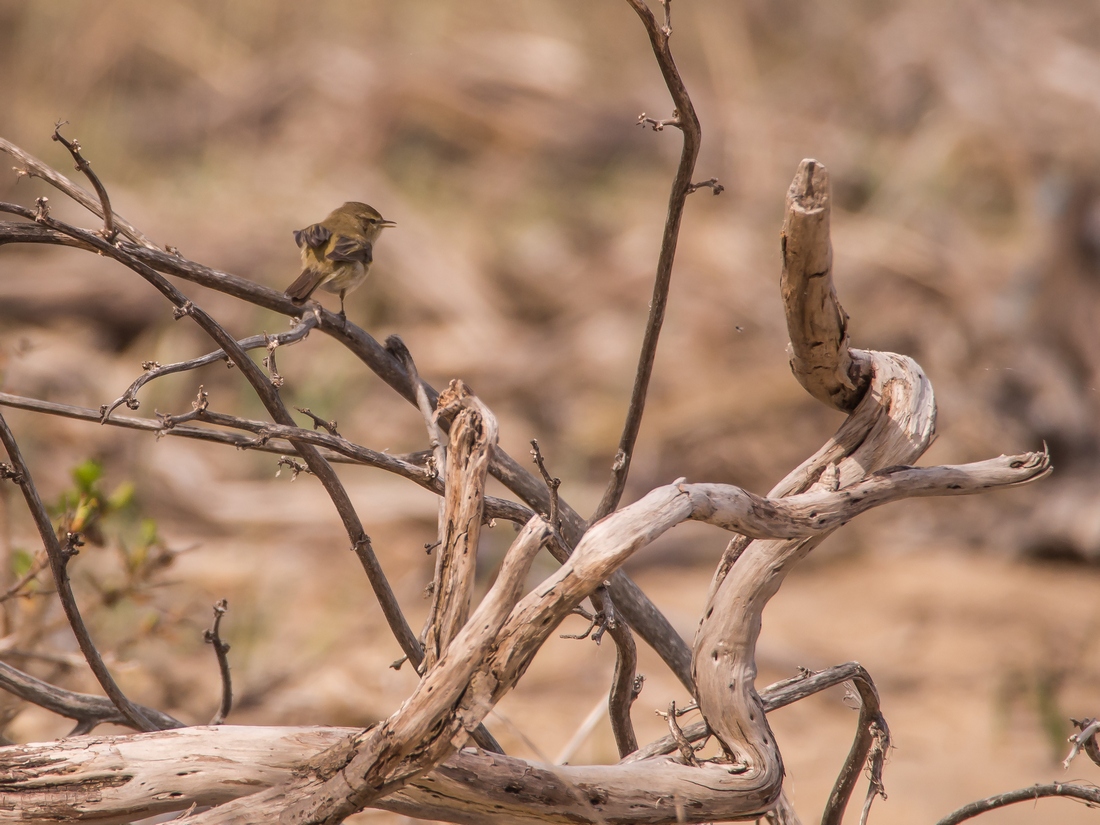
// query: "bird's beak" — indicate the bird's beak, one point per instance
point(383, 224)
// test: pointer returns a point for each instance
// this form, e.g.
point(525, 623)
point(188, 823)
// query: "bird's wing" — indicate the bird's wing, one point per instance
point(304, 285)
point(351, 249)
point(315, 236)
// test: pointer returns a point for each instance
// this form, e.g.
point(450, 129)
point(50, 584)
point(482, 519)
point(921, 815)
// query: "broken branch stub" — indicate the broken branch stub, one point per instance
point(816, 322)
point(472, 437)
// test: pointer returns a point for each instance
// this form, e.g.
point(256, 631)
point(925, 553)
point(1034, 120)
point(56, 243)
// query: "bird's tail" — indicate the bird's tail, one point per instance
point(303, 286)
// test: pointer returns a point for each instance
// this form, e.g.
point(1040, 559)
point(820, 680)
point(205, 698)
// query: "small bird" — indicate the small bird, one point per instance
point(337, 252)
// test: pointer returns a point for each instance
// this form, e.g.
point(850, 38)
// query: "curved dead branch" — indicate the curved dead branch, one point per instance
point(818, 324)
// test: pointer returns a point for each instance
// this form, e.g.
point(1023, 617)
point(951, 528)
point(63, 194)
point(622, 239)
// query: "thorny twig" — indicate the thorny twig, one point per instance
point(221, 650)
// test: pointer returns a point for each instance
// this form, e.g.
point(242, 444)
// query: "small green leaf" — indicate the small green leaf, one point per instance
point(21, 562)
point(86, 474)
point(149, 535)
point(122, 496)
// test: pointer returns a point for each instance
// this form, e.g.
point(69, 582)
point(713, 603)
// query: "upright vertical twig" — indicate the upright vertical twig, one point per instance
point(82, 165)
point(221, 650)
point(688, 123)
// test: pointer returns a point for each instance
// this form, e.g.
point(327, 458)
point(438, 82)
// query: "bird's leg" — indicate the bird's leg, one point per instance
point(343, 315)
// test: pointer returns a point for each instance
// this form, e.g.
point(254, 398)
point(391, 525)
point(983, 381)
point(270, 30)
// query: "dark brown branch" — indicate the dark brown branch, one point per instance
point(871, 729)
point(1090, 796)
point(272, 439)
point(109, 231)
point(688, 122)
point(59, 558)
point(32, 167)
point(633, 604)
point(88, 711)
point(154, 370)
point(626, 684)
point(221, 650)
point(269, 396)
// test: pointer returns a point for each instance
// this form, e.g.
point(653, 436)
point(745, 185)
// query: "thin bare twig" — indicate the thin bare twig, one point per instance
point(659, 124)
point(221, 650)
point(154, 370)
point(713, 183)
point(32, 167)
point(552, 485)
point(1090, 796)
point(688, 123)
point(271, 342)
point(296, 467)
point(686, 749)
point(318, 422)
point(59, 559)
point(773, 697)
point(871, 732)
point(876, 761)
point(109, 231)
point(88, 711)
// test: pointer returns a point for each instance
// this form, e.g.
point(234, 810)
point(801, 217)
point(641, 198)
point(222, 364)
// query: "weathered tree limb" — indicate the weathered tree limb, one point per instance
point(429, 726)
point(473, 434)
point(818, 324)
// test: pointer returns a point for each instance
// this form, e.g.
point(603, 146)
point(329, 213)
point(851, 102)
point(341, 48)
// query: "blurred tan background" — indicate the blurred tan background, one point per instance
point(961, 139)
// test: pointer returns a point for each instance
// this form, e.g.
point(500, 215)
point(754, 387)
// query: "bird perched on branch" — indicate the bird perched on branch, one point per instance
point(337, 252)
